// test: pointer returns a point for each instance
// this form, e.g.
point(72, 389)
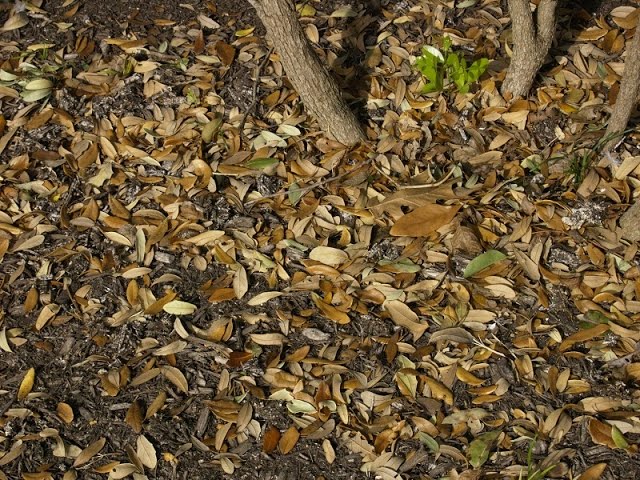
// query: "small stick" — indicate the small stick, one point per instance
point(308, 188)
point(254, 94)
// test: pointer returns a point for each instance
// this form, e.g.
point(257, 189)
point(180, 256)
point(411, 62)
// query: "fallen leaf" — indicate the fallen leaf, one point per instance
point(178, 307)
point(423, 221)
point(27, 383)
point(288, 440)
point(483, 261)
point(270, 439)
point(146, 452)
point(89, 452)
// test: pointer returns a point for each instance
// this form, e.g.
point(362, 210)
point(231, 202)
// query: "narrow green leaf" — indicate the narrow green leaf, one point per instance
point(260, 163)
point(429, 442)
point(295, 194)
point(618, 438)
point(446, 44)
point(483, 261)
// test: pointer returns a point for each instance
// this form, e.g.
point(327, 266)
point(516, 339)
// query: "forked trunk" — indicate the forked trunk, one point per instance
point(532, 39)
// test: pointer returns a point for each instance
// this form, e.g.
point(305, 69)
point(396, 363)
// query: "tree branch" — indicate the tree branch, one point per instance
point(532, 39)
point(521, 19)
point(546, 21)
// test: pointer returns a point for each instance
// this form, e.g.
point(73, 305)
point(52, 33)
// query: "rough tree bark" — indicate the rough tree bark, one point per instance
point(628, 94)
point(622, 109)
point(532, 39)
point(317, 88)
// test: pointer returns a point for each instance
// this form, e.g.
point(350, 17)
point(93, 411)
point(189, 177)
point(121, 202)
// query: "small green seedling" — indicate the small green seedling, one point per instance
point(533, 471)
point(580, 162)
point(443, 68)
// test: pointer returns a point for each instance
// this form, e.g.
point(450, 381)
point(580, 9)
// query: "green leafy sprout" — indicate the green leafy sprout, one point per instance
point(581, 161)
point(444, 68)
point(533, 471)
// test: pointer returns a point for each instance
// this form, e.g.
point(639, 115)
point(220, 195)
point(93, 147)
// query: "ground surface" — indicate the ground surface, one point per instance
point(182, 301)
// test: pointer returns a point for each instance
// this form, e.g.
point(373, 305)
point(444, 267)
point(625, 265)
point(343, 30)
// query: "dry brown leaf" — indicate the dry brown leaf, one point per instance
point(146, 452)
point(270, 439)
point(240, 281)
point(46, 314)
point(601, 433)
point(288, 440)
point(134, 417)
point(423, 221)
point(176, 377)
point(583, 336)
point(403, 316)
point(88, 453)
point(14, 22)
point(226, 52)
point(178, 307)
point(65, 412)
point(329, 256)
point(594, 472)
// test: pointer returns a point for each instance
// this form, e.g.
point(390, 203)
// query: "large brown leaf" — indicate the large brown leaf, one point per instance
point(424, 220)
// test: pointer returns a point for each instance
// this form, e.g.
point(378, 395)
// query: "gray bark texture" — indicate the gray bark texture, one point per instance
point(532, 39)
point(628, 94)
point(622, 109)
point(630, 222)
point(318, 90)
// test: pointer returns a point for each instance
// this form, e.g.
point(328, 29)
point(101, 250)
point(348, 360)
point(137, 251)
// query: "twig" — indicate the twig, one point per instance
point(308, 188)
point(254, 93)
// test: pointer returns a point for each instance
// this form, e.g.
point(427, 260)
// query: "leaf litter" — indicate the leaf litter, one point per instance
point(195, 283)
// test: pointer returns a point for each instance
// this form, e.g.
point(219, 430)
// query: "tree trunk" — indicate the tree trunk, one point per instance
point(531, 42)
point(317, 89)
point(628, 94)
point(629, 223)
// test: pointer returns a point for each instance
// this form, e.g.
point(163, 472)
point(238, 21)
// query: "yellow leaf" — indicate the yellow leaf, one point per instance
point(246, 32)
point(27, 384)
point(306, 10)
point(178, 307)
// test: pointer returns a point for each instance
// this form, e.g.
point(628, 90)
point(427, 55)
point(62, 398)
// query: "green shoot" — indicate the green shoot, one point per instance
point(533, 472)
point(445, 68)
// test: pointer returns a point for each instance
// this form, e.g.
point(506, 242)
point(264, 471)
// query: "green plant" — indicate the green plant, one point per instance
point(443, 68)
point(533, 471)
point(128, 67)
point(581, 160)
point(192, 97)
